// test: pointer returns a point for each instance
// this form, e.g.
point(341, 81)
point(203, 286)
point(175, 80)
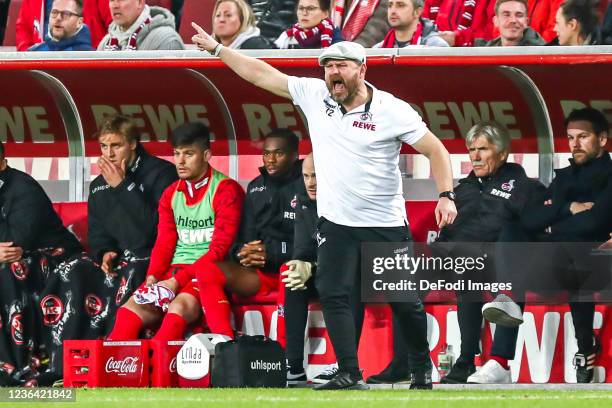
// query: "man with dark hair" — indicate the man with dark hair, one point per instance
point(265, 239)
point(574, 209)
point(199, 217)
point(67, 32)
point(408, 27)
point(32, 241)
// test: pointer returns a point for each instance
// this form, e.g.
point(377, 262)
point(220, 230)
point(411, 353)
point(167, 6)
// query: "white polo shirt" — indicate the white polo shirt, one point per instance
point(357, 154)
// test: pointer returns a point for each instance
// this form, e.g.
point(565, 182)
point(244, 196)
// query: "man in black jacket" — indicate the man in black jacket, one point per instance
point(574, 209)
point(265, 240)
point(32, 241)
point(123, 199)
point(492, 195)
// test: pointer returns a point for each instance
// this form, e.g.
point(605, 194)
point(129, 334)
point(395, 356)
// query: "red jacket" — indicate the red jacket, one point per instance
point(482, 27)
point(97, 16)
point(542, 17)
point(31, 20)
point(227, 205)
point(455, 15)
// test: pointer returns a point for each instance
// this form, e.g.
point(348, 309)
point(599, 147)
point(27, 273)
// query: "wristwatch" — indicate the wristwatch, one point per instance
point(448, 194)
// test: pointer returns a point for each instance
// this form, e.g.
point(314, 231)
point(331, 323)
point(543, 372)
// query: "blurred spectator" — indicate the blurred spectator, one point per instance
point(512, 21)
point(541, 15)
point(314, 28)
point(408, 27)
point(67, 32)
point(273, 16)
point(234, 26)
point(97, 17)
point(576, 24)
point(455, 18)
point(362, 21)
point(4, 6)
point(137, 26)
point(32, 23)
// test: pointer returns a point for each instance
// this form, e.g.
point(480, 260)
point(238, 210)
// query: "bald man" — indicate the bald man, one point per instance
point(298, 278)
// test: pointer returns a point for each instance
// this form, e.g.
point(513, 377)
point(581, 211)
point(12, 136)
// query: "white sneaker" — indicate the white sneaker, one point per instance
point(503, 311)
point(327, 375)
point(490, 373)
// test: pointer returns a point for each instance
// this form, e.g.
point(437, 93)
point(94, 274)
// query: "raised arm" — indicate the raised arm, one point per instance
point(250, 69)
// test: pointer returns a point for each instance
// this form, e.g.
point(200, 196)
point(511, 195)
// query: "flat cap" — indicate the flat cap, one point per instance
point(344, 50)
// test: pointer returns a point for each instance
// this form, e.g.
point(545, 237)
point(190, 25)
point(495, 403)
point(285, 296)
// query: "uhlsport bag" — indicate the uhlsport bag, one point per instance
point(249, 361)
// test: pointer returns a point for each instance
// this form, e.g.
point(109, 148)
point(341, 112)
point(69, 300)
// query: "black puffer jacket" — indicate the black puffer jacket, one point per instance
point(27, 217)
point(590, 182)
point(125, 217)
point(269, 215)
point(274, 16)
point(484, 205)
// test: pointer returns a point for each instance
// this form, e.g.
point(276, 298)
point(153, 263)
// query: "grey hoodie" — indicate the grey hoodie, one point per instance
point(160, 34)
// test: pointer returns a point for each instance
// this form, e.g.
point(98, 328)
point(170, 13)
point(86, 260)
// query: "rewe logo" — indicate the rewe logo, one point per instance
point(126, 366)
point(366, 126)
point(265, 365)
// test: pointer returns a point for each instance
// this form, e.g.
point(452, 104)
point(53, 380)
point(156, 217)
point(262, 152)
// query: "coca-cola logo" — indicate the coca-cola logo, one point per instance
point(17, 329)
point(172, 367)
point(126, 366)
point(20, 270)
point(121, 291)
point(93, 305)
point(52, 309)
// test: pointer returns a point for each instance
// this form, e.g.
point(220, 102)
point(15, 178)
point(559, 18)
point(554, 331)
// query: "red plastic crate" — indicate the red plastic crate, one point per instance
point(163, 362)
point(99, 363)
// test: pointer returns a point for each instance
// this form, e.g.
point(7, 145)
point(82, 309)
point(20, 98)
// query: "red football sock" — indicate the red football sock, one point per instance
point(172, 328)
point(502, 361)
point(127, 325)
point(211, 282)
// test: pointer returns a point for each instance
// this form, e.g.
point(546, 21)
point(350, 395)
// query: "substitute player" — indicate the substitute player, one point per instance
point(199, 217)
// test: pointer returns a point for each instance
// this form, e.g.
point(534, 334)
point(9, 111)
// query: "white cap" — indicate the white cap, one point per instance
point(344, 50)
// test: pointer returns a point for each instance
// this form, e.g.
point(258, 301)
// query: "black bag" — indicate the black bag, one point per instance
point(249, 361)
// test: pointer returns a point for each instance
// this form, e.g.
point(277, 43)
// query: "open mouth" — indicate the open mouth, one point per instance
point(338, 85)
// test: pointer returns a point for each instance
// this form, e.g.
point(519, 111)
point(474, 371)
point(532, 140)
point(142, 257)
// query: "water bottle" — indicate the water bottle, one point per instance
point(445, 360)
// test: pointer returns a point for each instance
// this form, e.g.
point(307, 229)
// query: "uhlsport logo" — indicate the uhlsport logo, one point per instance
point(126, 366)
point(266, 366)
point(52, 309)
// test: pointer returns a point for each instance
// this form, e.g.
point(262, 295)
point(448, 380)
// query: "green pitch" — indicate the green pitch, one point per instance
point(297, 398)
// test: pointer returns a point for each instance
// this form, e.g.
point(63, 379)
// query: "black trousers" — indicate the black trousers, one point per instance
point(564, 265)
point(469, 317)
point(338, 274)
point(296, 316)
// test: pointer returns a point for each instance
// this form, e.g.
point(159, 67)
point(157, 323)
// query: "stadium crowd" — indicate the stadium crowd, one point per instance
point(171, 244)
point(74, 25)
